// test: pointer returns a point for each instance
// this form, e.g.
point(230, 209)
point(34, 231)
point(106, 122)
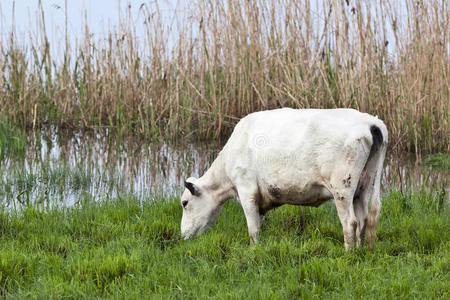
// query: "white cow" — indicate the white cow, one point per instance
point(294, 156)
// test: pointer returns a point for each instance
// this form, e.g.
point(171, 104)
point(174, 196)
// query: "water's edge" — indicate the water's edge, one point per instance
point(63, 168)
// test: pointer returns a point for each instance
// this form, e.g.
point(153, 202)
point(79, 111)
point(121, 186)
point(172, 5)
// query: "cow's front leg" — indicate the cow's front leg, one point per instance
point(253, 217)
point(248, 199)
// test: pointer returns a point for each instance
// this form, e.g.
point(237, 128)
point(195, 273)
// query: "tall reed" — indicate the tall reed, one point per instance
point(234, 57)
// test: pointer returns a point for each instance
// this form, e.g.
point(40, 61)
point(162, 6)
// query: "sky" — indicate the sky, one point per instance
point(24, 16)
point(25, 13)
point(101, 16)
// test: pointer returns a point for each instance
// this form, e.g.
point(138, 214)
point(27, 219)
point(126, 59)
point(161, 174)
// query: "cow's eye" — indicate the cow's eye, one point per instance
point(184, 203)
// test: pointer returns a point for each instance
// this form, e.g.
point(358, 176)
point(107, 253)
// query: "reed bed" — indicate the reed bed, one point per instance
point(230, 58)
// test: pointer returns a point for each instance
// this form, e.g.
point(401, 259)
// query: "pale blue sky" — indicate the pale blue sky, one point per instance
point(100, 15)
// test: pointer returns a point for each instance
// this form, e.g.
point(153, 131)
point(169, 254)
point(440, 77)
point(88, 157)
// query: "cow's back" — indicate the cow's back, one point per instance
point(292, 151)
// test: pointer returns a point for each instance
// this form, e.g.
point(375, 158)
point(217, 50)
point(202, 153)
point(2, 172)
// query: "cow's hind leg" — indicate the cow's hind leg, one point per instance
point(344, 206)
point(361, 199)
point(368, 189)
point(344, 181)
point(360, 205)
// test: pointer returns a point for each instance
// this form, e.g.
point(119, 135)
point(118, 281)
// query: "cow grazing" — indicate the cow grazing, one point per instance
point(295, 156)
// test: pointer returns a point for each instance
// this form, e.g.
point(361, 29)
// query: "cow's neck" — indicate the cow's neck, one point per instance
point(216, 181)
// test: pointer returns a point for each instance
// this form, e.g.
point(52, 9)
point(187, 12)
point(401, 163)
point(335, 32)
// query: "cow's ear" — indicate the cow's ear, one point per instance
point(192, 188)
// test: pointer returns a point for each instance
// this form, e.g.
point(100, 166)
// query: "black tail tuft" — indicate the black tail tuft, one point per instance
point(377, 139)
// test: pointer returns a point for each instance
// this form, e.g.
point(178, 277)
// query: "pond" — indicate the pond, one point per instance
point(65, 168)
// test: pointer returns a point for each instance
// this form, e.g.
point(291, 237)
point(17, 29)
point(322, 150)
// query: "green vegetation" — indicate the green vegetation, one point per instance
point(127, 249)
point(12, 142)
point(439, 160)
point(387, 58)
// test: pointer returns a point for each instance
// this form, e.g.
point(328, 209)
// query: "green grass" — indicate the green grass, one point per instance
point(122, 248)
point(439, 160)
point(12, 141)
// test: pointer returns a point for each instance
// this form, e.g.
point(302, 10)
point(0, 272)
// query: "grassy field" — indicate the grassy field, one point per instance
point(120, 248)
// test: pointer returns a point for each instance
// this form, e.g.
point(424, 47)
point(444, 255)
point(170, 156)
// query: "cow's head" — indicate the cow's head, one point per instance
point(200, 208)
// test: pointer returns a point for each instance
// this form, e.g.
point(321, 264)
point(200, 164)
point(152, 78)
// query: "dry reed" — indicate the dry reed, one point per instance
point(236, 57)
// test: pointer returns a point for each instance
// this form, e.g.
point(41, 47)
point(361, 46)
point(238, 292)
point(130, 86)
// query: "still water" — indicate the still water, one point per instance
point(61, 168)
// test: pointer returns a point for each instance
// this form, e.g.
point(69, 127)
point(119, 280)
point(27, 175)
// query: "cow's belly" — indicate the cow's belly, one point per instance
point(276, 194)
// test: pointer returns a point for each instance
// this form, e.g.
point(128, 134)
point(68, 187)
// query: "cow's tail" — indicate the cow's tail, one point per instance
point(375, 161)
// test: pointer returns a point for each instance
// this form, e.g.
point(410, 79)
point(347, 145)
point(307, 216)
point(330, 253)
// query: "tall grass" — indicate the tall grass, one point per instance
point(234, 57)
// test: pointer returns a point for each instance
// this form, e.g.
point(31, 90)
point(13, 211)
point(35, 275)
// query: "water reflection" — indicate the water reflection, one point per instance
point(65, 167)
